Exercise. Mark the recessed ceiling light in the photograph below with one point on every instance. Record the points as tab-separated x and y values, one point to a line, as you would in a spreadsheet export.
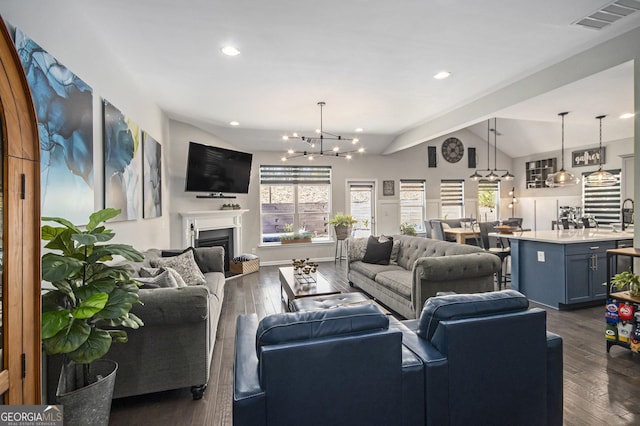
234	123
359	130
627	115
230	51
441	75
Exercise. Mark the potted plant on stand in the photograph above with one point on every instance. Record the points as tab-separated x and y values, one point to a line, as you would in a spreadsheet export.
627	280
342	224
80	316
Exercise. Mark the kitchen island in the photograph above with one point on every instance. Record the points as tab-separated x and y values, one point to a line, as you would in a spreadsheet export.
563	268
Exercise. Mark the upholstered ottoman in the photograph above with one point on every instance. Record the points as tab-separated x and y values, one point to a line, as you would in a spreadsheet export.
306	304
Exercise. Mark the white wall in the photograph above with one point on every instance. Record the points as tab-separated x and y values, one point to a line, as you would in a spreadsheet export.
109	79
409	164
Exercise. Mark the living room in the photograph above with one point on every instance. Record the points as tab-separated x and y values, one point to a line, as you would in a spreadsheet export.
402	159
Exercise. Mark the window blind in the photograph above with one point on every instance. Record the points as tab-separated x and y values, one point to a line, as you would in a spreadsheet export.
452	192
487	185
295	174
412	184
603	203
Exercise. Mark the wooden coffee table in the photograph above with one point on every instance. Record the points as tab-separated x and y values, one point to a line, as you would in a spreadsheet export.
290	289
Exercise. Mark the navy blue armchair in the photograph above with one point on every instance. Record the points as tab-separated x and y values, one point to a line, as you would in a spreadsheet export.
488	360
340	366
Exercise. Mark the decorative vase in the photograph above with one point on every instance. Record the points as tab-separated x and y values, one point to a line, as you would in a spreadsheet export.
88	405
342	231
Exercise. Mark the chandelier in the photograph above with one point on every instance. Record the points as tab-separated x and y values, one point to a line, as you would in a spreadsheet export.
492	176
563	177
316	144
600	177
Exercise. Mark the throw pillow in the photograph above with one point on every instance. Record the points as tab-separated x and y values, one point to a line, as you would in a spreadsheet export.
393	258
356	248
176	276
186	266
378	252
162	280
199	261
148	272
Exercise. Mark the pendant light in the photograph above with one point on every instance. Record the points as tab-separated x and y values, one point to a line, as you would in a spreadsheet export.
507	175
562	178
601	177
477	176
492	176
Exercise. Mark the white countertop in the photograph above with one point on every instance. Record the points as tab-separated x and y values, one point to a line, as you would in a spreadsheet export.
569	236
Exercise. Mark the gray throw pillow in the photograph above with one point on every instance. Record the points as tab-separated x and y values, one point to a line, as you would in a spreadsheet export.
163	280
356	248
186	266
148	272
176	276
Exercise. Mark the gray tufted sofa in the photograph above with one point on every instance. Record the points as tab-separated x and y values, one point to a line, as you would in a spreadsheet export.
424	267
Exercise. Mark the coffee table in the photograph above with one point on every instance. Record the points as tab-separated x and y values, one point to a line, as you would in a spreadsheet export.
290	289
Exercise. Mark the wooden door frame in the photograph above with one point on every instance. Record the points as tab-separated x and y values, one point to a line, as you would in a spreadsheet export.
21	192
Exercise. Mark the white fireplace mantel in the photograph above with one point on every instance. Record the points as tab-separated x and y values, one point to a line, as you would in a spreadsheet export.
197	221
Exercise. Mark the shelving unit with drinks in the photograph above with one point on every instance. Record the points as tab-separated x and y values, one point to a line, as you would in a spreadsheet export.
622	313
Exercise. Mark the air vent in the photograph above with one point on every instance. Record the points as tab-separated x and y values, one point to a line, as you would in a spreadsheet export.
609	14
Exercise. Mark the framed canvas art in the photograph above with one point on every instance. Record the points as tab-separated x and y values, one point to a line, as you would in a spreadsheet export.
151	177
388	187
64	108
122	174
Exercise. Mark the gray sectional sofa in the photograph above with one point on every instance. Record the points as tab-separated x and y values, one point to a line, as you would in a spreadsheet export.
422	268
174	348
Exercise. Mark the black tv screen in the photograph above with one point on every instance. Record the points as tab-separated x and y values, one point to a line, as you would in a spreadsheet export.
216	170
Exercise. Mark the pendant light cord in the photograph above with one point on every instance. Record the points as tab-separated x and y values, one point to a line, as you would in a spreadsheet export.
600	117
562	114
495	143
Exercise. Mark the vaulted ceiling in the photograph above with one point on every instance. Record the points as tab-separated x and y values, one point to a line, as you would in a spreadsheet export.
371	61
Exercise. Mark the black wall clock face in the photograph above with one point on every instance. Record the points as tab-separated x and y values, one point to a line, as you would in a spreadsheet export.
452	150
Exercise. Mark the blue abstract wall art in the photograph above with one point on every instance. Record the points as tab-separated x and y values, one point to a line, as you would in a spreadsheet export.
152	177
122	174
64	108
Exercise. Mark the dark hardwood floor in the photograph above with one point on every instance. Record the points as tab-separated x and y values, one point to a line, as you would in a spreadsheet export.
599	388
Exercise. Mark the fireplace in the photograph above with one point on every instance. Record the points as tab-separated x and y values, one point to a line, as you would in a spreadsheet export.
217	238
214	228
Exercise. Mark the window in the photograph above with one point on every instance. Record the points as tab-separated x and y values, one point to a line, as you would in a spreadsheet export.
451	198
602	203
294	199
488	200
412	202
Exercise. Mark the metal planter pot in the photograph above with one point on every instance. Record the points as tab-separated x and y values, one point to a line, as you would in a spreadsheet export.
89	405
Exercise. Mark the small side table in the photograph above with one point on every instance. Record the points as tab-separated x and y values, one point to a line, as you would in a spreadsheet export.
341	249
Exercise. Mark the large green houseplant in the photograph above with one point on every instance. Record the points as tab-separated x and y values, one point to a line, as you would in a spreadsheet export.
91	301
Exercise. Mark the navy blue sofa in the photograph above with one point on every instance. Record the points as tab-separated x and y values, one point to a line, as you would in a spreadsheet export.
469	359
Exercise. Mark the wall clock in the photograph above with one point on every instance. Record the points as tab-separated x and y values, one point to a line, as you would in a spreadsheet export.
452	150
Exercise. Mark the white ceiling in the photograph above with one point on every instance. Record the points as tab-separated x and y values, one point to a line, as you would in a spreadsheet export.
371	61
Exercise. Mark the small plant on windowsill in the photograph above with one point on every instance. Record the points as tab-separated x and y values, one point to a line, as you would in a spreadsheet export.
408	229
296	237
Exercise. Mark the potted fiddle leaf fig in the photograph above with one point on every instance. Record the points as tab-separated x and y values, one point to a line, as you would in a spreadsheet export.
86	311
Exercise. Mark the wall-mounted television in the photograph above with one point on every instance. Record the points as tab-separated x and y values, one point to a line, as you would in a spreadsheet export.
217	170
